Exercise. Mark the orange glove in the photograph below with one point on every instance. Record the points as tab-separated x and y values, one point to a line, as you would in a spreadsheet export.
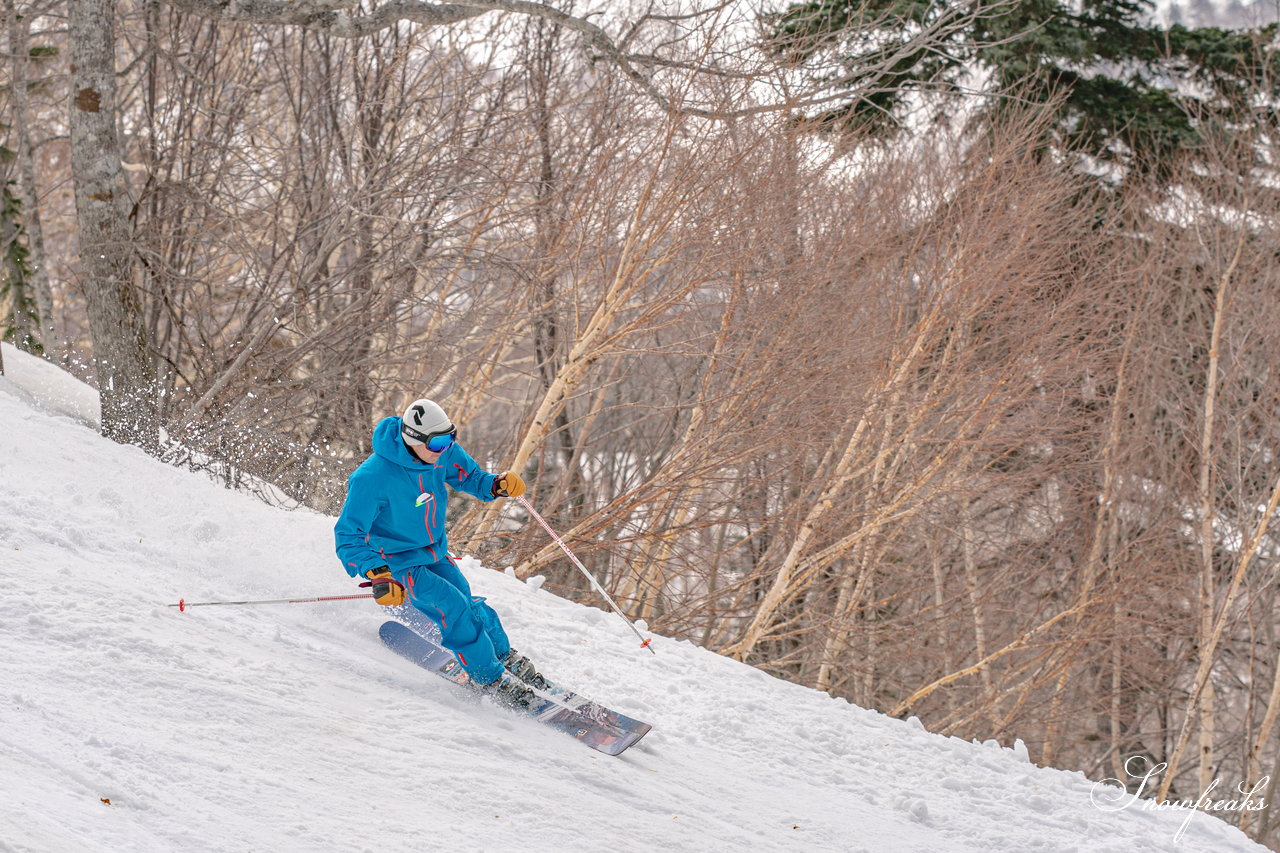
386	590
508	485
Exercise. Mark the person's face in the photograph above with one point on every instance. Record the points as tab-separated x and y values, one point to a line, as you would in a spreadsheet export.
433	444
420	450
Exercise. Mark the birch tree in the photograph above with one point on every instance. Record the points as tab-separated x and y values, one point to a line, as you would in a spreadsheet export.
123	358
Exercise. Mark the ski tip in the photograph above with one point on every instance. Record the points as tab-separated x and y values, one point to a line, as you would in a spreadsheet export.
392	631
633	737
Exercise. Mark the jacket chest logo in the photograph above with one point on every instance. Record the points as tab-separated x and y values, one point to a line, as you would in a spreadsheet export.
424	498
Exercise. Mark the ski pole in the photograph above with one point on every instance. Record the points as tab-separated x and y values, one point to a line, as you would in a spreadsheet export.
644	643
183	604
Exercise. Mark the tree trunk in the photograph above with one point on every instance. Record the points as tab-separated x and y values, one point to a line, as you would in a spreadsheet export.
1211	628
126	374
24	163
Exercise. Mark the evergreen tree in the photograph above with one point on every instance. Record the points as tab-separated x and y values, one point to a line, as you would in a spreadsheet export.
15	271
1124	82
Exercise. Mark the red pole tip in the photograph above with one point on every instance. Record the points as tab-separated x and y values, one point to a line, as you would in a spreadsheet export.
182	605
646	643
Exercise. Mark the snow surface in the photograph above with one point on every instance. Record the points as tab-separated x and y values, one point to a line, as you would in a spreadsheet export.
290	727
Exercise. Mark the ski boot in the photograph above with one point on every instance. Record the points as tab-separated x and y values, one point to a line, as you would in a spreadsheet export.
508	691
521	667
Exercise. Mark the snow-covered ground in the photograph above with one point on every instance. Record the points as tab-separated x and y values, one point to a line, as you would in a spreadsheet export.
128	726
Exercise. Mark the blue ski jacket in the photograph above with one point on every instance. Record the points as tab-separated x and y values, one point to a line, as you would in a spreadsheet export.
394	514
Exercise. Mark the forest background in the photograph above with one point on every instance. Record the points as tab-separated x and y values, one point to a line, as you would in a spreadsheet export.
921	353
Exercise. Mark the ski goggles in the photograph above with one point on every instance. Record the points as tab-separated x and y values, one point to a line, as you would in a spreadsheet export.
436	442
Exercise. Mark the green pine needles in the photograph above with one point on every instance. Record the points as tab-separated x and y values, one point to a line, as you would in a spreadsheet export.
1127	90
15	274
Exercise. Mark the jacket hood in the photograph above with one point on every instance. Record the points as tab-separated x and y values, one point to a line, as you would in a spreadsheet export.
388	444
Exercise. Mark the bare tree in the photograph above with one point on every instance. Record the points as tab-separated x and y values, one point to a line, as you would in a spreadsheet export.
122	354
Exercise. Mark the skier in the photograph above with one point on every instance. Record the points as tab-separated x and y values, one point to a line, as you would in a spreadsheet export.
392	532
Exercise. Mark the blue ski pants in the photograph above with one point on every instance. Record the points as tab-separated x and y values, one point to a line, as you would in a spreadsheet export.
468	626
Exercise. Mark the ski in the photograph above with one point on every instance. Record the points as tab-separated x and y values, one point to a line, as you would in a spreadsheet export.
600	728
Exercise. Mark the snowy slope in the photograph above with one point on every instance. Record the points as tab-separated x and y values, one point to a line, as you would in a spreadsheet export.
291	728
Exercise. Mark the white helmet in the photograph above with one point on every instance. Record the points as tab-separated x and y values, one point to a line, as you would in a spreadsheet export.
422	420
